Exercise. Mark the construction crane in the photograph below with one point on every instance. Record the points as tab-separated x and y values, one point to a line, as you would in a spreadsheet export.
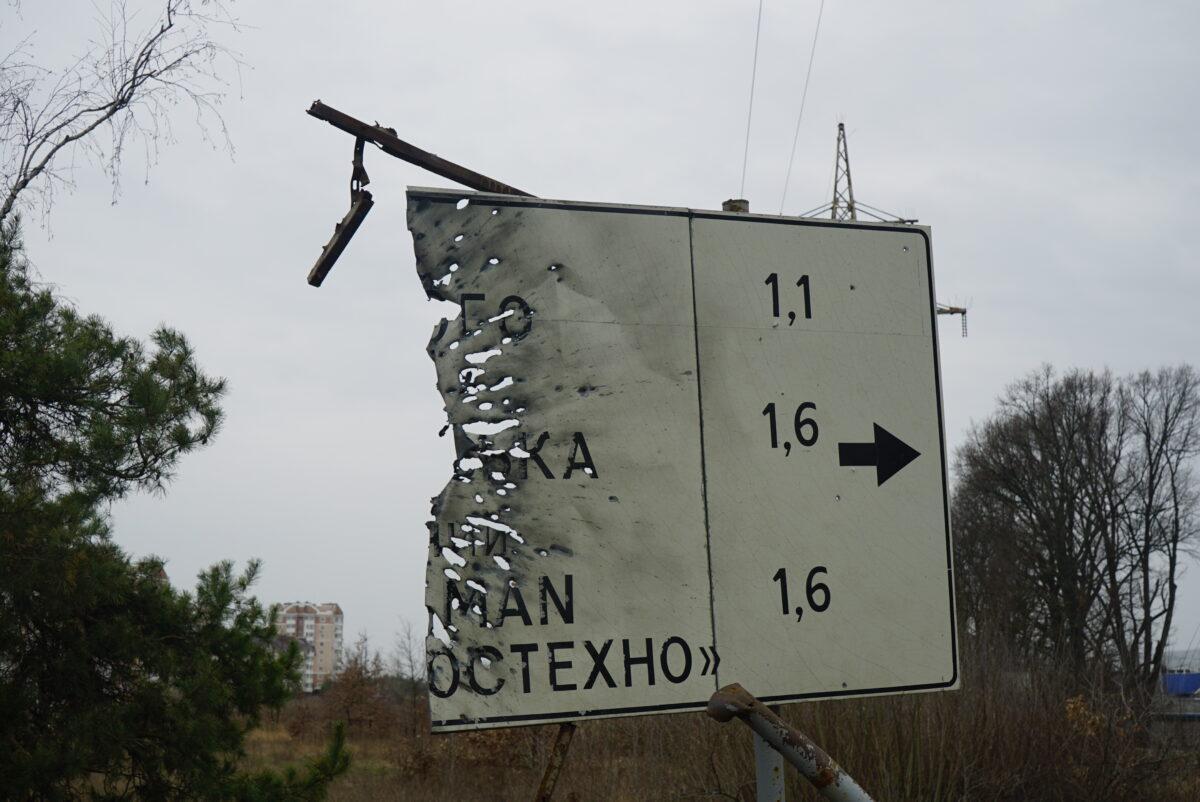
947	309
844	207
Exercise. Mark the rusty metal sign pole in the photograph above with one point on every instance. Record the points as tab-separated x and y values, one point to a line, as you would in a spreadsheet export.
769	733
558	756
769	780
830	780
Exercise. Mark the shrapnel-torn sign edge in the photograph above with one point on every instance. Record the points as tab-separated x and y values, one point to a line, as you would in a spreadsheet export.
492	201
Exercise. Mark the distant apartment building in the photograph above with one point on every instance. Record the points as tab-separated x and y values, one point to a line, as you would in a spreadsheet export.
307	653
318	629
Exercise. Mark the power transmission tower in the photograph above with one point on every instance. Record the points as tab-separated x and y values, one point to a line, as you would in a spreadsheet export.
842	207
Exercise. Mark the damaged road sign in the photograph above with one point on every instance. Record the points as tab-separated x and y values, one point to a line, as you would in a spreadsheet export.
662	479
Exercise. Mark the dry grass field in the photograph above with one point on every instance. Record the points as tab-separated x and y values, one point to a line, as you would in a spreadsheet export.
1008	735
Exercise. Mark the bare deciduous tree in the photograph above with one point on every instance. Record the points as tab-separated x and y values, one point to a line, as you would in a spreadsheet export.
121	91
355	695
408	654
408	664
1160	514
1027	467
1073	505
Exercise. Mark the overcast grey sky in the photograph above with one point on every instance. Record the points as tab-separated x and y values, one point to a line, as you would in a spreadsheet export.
1050	145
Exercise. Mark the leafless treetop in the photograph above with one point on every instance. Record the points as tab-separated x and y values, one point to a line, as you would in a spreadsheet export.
123	90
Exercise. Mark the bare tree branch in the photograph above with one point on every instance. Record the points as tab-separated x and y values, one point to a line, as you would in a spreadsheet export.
126	85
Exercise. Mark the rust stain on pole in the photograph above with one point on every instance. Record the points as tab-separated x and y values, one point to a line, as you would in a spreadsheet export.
734	701
558	756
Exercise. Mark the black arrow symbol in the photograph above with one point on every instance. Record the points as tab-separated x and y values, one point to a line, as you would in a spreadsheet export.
888	454
714	661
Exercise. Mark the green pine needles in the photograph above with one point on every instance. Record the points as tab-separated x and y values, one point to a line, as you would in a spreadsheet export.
113	684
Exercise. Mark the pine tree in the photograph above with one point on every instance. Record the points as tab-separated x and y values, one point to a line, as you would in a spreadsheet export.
112	683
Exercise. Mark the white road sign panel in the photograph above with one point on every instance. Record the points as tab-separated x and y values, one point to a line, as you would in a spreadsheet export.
692	448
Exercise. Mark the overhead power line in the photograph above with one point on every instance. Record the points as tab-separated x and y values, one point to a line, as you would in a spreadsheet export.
750	110
803	97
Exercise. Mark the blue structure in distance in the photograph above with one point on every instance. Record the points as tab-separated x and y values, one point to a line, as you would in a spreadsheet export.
1181	683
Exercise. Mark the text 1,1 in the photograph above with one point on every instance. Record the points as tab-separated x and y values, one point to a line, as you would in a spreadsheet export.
773	282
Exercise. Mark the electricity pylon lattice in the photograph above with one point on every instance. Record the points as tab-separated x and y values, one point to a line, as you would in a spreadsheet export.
842	207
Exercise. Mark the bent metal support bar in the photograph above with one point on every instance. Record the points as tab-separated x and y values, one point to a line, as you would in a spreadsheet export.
360	200
830	780
389	143
360	204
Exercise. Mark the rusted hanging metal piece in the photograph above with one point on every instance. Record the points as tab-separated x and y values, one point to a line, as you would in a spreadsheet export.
360	204
360	200
358	177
